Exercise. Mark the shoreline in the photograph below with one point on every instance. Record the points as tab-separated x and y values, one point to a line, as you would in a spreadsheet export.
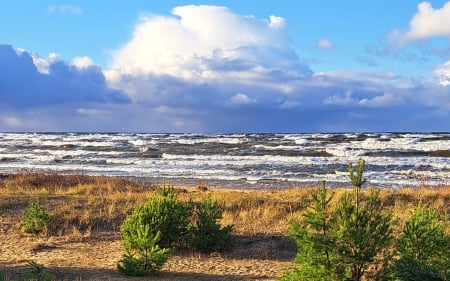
217	184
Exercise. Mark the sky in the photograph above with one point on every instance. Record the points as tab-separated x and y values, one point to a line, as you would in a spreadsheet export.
288	66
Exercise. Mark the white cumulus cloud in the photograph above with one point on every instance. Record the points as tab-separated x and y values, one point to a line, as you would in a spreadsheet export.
442	73
201	42
82	62
43	63
203	55
426	23
429	22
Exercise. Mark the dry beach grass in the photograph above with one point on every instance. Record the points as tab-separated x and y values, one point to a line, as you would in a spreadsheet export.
83	241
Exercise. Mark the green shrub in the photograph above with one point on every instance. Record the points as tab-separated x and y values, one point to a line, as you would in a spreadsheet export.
161	222
314	241
162	213
36	219
342	244
423	247
206	234
363	235
143	255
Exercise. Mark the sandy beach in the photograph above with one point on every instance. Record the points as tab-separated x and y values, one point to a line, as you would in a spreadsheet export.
95	258
84	242
91	252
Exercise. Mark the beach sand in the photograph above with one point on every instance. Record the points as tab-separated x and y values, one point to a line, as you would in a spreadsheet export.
93	255
96	257
260	248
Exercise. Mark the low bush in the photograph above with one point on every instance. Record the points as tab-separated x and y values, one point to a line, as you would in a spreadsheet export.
162	213
143	255
151	230
161	222
36	219
423	247
206	234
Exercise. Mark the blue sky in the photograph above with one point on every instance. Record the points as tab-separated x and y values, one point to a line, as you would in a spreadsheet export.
224	66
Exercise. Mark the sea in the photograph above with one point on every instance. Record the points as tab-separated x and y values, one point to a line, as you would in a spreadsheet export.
240	161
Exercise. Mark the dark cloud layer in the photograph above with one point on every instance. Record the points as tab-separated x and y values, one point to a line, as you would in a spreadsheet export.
22	85
317	103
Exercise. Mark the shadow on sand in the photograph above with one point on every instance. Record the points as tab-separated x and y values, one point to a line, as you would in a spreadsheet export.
262	247
92	274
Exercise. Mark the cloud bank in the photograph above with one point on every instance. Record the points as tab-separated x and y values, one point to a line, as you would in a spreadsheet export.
208	69
31	83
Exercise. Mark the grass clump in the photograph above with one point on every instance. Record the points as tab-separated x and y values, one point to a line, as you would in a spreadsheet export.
33	271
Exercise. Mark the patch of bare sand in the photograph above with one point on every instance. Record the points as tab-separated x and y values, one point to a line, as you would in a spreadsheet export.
95	258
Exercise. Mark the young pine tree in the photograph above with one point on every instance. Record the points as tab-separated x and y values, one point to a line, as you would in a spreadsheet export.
424	248
36	219
162	213
206	234
143	256
315	256
362	229
343	243
161	222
